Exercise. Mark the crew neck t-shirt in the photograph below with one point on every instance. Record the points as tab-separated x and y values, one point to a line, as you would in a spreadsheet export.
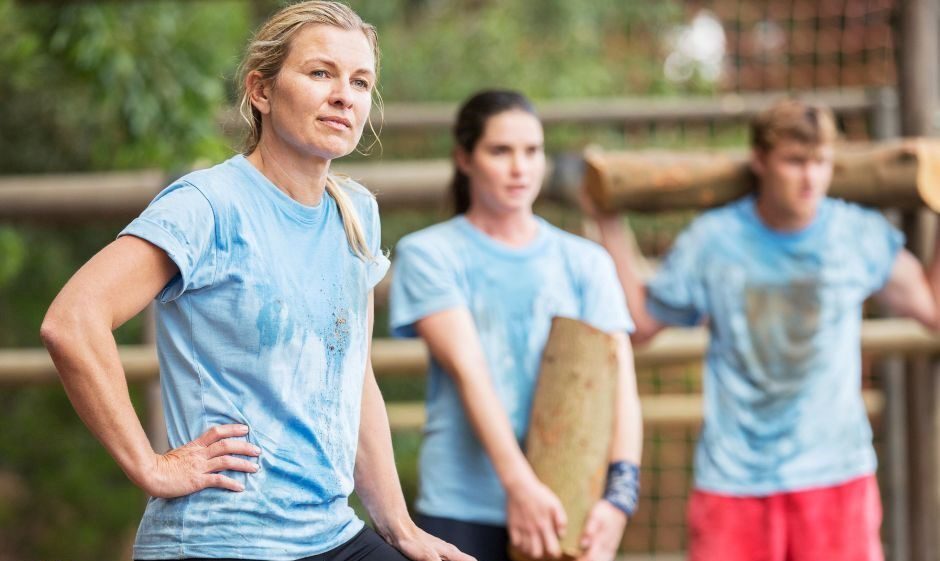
265	325
512	293
782	380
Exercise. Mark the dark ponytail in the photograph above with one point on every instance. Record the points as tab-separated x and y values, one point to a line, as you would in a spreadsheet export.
470	125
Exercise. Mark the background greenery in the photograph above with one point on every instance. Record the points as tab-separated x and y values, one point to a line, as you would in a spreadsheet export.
126	85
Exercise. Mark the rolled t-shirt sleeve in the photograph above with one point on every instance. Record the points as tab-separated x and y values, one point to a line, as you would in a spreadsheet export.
424	282
378	267
676	294
181	222
603	302
880	242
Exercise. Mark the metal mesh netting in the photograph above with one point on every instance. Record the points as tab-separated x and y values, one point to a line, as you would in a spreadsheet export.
807	44
769	45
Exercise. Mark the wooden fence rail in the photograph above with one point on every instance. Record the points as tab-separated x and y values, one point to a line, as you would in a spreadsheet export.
409	358
80	197
411	184
627	111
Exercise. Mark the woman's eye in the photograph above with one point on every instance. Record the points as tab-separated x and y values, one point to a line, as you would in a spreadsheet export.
361	84
319	74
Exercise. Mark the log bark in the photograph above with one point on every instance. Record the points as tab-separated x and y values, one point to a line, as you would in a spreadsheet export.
571	428
899	174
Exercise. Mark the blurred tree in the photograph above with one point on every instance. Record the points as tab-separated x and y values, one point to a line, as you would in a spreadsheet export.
549	49
115	85
86	86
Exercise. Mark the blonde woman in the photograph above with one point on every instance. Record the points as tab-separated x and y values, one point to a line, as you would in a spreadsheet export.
262	268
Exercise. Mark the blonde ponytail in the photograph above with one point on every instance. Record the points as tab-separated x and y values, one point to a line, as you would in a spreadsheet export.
351	223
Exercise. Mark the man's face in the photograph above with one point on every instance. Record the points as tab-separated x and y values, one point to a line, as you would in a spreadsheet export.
794	178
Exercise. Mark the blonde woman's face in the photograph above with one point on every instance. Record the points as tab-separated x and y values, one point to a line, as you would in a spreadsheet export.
507	165
320	100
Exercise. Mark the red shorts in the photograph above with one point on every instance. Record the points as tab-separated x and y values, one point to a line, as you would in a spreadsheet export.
838	523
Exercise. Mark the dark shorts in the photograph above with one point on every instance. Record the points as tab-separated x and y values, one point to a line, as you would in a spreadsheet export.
483	541
365	546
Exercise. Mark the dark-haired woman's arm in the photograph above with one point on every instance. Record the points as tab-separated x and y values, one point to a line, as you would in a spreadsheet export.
535	516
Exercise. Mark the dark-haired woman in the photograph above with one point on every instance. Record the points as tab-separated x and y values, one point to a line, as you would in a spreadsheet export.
481	290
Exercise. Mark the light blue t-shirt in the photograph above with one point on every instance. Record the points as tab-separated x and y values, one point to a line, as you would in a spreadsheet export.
265	325
782	385
512	294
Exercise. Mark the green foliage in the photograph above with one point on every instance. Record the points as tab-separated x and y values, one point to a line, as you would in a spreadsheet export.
140	84
115	85
549	49
13	250
72	501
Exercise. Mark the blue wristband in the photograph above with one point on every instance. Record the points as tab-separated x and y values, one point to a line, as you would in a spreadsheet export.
623	486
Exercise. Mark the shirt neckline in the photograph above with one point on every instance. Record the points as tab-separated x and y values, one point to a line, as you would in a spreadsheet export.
297	210
749	207
501	249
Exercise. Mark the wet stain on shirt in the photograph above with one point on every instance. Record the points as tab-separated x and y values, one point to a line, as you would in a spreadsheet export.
784	322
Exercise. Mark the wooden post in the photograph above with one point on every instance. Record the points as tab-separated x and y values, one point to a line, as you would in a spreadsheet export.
884	113
895	490
918	75
918	71
921	408
572	420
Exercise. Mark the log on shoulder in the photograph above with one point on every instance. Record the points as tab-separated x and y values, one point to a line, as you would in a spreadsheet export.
900	174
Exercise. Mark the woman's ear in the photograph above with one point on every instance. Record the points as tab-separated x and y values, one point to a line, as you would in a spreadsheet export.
258	91
463	160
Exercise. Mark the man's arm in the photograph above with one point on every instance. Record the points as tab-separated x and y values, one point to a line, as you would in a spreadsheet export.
912	290
620	244
377	481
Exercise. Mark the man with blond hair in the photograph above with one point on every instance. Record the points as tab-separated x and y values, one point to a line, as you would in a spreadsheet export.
784	468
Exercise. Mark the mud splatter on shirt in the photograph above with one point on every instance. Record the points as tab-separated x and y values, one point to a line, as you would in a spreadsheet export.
265	325
512	295
783	405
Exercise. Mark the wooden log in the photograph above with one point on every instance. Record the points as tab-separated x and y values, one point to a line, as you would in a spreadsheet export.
572	421
658	410
620	111
82	197
900	173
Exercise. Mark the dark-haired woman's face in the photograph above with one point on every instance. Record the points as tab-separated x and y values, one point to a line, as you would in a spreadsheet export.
507	166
